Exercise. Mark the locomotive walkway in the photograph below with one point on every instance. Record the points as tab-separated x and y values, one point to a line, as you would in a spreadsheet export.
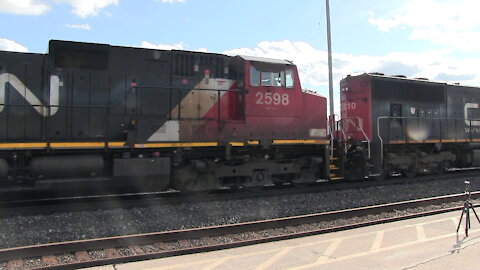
423	243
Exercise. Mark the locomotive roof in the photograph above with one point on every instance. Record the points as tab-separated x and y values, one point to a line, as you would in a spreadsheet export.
266	60
402	77
53	44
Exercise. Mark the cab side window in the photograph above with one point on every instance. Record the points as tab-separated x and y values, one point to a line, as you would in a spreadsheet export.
289	78
254	76
278	79
266	78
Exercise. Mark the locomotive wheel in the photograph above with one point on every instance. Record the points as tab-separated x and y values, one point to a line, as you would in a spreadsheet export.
303	184
257	181
410	172
386	172
381	176
253	189
188	180
192	185
149	184
442	167
438	169
305	179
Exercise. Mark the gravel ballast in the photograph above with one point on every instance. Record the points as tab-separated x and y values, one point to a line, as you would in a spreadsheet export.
39	229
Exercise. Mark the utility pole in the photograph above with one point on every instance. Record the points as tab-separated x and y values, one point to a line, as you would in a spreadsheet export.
330	79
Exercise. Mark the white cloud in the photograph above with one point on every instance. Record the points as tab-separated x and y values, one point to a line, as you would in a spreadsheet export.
148	45
454	24
10	45
312	63
86	8
178	46
84	26
24	7
313	68
81	8
170	1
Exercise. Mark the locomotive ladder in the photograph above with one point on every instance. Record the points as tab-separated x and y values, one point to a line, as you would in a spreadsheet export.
336	151
336	166
340	146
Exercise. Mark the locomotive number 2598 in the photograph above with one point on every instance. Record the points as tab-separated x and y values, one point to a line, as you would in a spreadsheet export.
272	98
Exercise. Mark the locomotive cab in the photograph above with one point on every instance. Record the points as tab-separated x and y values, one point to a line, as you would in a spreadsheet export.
276	107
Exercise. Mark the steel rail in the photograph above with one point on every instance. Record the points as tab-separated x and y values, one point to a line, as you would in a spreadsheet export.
19	253
128	200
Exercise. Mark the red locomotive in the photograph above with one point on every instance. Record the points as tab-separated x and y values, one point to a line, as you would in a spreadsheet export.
189	120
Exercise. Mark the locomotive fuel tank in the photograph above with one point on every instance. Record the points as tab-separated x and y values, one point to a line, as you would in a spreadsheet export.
74	166
3	168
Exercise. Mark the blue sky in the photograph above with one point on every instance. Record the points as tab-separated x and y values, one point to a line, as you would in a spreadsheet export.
214	24
436	39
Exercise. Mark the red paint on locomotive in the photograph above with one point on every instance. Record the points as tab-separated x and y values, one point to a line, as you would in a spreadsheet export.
356	107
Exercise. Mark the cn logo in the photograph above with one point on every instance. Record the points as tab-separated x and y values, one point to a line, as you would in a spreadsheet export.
356	123
27	94
471	122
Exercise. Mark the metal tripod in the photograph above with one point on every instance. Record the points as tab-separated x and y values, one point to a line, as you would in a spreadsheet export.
467	205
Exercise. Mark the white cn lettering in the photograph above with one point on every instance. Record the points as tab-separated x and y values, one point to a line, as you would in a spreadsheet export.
27	94
470	106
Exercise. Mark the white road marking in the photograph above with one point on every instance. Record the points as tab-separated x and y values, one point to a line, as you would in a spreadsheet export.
327	254
273	259
377	242
421	232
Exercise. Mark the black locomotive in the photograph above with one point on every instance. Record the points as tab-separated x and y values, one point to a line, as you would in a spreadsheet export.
408	126
189	120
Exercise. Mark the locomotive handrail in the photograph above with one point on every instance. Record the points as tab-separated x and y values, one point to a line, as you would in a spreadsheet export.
332	124
380	137
360	128
344	135
423	118
366	137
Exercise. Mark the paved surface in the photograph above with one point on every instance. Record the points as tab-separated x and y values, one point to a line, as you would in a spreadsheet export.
419	244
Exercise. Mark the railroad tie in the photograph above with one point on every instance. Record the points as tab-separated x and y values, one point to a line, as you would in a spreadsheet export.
83	256
137	250
50	259
185	243
311	227
15	264
209	240
291	229
162	246
111	253
234	237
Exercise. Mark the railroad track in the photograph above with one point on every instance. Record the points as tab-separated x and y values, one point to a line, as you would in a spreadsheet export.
114	250
21	205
